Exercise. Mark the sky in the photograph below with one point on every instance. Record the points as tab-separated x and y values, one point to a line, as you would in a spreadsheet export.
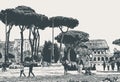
99	18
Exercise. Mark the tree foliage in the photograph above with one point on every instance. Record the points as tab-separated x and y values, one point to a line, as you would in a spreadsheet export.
71	37
72	40
6	16
116	42
60	21
25	17
47	52
23	20
116	56
40	22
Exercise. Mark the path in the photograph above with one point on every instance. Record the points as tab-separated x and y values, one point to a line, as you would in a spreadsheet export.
55	69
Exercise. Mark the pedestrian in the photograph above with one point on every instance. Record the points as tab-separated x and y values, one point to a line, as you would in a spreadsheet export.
22	70
104	65
31	70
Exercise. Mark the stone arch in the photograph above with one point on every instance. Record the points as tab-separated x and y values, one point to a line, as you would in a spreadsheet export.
94	58
106	58
98	58
102	58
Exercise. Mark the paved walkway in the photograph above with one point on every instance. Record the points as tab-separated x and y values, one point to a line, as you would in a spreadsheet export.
48	71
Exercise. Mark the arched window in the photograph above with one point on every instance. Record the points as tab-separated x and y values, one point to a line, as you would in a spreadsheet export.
102	52
94	52
94	58
102	58
106	58
98	58
98	52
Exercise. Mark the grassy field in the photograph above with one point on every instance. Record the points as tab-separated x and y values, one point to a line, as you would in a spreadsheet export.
63	78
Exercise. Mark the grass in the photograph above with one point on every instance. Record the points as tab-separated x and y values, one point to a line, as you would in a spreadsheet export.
63	78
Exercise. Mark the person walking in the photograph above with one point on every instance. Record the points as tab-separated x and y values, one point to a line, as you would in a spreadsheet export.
31	70
22	70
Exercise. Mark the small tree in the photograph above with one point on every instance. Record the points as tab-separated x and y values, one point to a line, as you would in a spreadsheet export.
72	40
46	53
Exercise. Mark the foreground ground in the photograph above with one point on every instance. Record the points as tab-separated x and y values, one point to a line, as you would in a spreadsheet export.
55	73
62	78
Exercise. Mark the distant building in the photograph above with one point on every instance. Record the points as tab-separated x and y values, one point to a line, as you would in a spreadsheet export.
2	50
17	48
26	44
100	51
11	46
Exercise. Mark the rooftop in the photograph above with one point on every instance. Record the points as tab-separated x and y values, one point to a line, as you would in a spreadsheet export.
97	44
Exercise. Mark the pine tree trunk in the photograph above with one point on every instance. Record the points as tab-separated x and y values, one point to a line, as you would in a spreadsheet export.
30	40
35	43
60	57
38	44
7	46
22	39
7	43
